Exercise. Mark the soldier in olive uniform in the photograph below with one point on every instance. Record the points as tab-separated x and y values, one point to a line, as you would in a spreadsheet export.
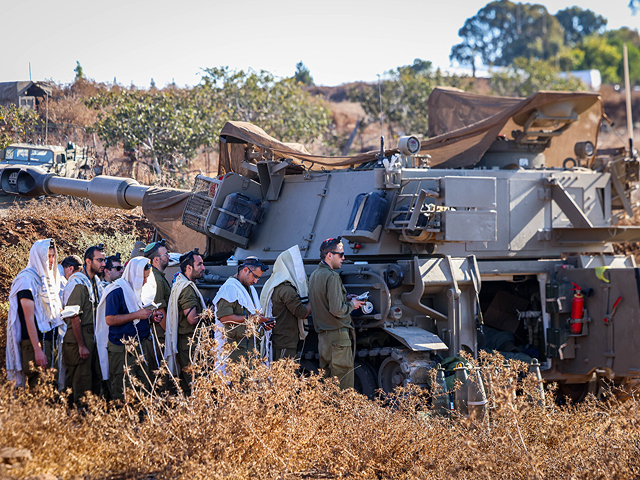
121	312
184	309
79	345
34	315
235	301
287	308
157	253
331	310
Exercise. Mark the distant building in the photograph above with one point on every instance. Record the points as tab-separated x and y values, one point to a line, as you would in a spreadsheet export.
591	78
23	94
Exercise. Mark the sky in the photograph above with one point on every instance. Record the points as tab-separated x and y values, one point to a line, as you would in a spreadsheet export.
340	41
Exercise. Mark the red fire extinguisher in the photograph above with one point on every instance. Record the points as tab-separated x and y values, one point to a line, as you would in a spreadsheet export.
577	310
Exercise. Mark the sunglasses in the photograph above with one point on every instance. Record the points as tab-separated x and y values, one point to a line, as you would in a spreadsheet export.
117	269
338	253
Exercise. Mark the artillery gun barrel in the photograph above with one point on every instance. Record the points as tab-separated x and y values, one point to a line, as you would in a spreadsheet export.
105	191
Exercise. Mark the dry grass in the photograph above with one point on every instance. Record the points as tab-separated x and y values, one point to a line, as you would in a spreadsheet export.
270	423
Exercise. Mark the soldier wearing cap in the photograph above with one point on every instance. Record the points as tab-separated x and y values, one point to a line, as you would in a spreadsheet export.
79	345
68	267
236	300
184	309
331	310
158	255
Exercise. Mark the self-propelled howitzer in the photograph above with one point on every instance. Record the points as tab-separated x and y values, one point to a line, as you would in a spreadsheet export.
478	246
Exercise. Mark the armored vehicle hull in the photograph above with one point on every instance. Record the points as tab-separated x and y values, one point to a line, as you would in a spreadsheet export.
506	246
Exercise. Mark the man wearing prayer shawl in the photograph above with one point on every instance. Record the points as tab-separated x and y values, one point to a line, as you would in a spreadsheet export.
283	297
158	256
183	315
122	318
68	267
34	315
236	300
79	345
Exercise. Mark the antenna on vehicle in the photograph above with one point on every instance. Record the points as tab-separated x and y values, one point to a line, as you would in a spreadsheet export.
381	127
627	88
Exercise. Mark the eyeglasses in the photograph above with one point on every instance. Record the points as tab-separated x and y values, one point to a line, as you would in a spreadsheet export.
152	247
338	253
254	275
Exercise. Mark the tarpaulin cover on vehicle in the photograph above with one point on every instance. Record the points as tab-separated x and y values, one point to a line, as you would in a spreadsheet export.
463	126
163	207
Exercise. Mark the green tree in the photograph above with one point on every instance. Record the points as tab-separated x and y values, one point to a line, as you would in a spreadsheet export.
281	107
502	31
527	76
163	126
623	35
601	55
404	98
167	127
579	23
303	75
17	124
569	59
79	71
617	38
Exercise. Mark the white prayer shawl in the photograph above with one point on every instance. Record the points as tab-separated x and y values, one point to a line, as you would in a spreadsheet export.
288	268
44	284
233	291
171	334
63	282
80	278
131	284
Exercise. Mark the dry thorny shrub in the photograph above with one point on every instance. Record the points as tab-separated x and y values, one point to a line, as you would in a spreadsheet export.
268	422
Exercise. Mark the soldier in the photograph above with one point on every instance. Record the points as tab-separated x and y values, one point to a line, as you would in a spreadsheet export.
183	314
331	310
34	314
121	317
68	267
158	255
283	297
235	301
113	268
79	346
